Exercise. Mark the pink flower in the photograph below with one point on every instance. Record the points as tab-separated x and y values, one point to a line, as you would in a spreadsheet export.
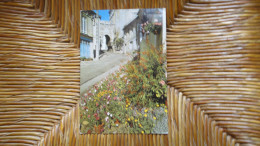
115	98
162	82
88	116
96	104
97	118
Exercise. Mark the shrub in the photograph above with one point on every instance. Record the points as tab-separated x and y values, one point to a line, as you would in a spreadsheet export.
126	100
118	42
82	58
150	27
102	107
146	77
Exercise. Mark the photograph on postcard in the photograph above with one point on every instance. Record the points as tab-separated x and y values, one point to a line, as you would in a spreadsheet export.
123	71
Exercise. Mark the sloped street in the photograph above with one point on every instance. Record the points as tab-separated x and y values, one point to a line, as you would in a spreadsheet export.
92	72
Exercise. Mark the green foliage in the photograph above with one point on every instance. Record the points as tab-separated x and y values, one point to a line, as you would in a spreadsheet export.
85	59
118	42
127	100
82	58
147	77
101	106
150	27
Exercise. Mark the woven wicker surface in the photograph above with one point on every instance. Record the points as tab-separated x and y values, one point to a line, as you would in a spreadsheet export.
213	70
213	64
39	77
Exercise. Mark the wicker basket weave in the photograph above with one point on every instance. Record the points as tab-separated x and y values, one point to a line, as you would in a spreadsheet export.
213	70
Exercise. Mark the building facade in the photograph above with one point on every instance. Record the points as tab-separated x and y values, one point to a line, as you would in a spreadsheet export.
88	32
98	36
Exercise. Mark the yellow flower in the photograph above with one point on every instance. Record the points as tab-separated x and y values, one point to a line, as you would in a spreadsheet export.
157	105
146	110
126	105
145	115
126	108
136	120
128	119
154	118
166	110
132	118
142	132
140	125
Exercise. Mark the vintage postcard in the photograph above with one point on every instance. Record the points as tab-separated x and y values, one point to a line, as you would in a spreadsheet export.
123	71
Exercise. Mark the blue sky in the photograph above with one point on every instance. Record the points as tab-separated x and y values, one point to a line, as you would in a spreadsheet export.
104	14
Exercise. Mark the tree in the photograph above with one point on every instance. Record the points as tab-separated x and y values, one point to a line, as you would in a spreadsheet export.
118	42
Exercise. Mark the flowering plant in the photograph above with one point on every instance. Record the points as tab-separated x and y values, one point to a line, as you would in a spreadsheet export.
127	101
146	77
151	27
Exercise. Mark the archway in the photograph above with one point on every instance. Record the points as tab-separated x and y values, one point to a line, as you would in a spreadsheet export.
107	39
106	43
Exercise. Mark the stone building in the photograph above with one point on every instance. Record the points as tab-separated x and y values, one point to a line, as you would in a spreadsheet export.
154	17
106	35
88	31
98	36
121	19
132	30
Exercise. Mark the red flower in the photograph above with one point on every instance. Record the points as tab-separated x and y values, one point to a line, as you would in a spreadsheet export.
96	104
97	118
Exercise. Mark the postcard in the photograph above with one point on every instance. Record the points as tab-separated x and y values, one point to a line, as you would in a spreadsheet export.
123	72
